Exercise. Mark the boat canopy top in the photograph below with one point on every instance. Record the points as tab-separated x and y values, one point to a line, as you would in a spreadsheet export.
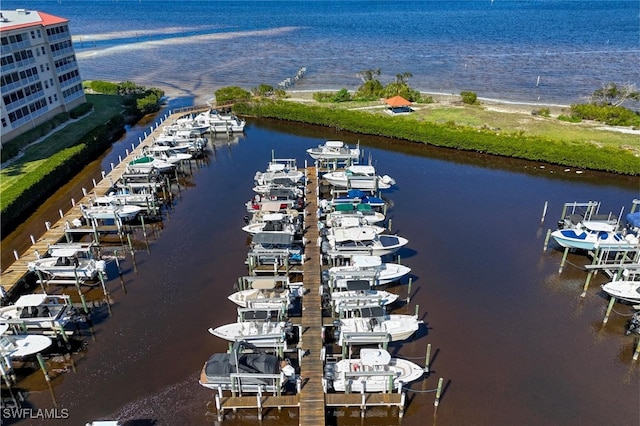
273	238
598	226
371	312
263	283
357	285
361	170
353	234
273	217
31	299
366	261
142	160
369	356
334	144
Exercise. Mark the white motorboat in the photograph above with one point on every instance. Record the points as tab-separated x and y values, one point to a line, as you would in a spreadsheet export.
362	210
352	221
588	234
194	141
265	292
264	204
628	290
171	142
221	123
384	273
276	200
375	320
334	150
359	177
246	368
73	260
168	154
282	186
111	211
148	162
274	222
358	294
361	240
374	371
39	312
21	345
122	196
188	123
356	196
278	170
259	333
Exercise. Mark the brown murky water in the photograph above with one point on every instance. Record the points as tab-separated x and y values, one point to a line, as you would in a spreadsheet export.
512	339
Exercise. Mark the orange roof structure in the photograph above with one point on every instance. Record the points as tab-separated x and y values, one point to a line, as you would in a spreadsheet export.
397	101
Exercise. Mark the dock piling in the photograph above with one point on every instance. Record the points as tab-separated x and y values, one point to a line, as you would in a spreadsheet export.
612	301
438	393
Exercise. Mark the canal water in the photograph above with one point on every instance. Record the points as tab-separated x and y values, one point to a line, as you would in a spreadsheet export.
511	337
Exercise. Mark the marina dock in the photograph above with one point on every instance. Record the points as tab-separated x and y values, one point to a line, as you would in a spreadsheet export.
13	278
311	399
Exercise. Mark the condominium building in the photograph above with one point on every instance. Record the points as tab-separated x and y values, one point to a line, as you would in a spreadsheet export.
39	74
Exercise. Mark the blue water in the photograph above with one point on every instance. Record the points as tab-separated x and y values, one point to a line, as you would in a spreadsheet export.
548	51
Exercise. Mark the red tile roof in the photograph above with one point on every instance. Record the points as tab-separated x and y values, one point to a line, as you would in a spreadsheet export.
44	20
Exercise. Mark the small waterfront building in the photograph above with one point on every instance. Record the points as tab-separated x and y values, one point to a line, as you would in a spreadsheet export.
39	72
398	105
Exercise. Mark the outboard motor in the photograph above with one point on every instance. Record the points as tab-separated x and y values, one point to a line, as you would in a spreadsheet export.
288	330
336	330
633	326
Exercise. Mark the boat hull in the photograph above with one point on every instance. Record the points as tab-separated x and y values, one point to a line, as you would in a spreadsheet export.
260	334
356	377
624	290
399	327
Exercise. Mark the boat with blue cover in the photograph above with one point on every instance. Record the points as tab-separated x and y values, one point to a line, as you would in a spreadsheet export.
591	233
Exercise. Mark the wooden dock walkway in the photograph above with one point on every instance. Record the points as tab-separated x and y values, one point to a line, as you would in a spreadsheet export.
312	396
13	278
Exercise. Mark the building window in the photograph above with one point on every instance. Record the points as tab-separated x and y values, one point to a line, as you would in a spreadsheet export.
4	122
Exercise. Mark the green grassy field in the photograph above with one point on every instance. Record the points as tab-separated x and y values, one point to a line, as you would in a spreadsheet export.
504	118
41	157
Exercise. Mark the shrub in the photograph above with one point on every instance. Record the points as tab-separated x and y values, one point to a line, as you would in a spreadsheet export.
426	99
148	104
323	96
569	118
608	114
263	90
469	98
230	94
370	90
517	145
106	87
341	95
543	112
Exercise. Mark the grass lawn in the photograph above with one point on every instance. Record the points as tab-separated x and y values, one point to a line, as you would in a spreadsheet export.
504	118
18	175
